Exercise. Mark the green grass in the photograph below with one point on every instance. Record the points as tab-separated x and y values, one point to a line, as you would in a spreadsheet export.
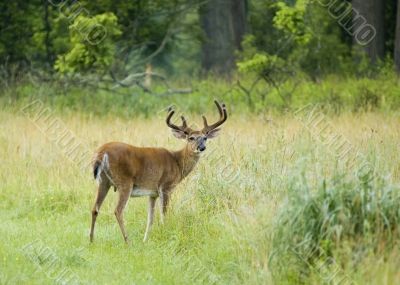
217	231
336	94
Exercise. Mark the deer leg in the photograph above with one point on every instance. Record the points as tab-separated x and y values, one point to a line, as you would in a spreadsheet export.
124	193
150	217
101	195
164	200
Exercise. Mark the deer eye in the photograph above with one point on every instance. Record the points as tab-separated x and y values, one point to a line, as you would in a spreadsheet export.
191	138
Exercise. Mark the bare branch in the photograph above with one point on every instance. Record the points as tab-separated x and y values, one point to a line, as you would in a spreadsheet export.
158	50
134	79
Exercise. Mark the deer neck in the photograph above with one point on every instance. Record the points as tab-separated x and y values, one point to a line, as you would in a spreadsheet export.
187	160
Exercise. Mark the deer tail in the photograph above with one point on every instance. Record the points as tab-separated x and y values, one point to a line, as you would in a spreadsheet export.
99	166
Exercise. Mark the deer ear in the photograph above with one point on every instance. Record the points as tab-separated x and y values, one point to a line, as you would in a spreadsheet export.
213	133
179	134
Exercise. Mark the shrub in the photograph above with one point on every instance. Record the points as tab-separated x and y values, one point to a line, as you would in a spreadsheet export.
92	44
314	223
334	94
366	100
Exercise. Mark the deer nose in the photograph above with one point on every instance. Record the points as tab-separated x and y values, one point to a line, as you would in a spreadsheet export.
202	148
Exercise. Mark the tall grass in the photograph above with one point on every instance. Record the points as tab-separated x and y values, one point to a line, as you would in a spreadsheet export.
362	212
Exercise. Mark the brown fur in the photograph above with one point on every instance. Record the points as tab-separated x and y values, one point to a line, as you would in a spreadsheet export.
145	167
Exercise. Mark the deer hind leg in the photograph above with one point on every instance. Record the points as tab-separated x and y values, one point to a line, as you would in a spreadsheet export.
124	194
102	191
150	217
164	201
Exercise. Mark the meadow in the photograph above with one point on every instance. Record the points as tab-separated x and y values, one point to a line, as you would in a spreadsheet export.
302	186
221	229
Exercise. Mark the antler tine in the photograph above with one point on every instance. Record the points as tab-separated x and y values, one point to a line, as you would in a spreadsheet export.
219	107
172	126
205	121
222	117
184	123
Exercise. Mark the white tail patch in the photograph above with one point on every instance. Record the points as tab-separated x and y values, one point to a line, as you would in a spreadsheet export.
103	167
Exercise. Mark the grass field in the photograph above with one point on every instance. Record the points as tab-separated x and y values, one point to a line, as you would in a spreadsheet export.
221	228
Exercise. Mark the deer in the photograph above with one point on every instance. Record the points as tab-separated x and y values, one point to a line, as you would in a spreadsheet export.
149	171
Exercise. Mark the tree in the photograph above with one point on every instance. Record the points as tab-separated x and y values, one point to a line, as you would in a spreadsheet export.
223	23
47	30
92	44
17	23
397	40
368	27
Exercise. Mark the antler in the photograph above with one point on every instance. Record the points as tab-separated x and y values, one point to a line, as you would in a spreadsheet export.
183	128
223	115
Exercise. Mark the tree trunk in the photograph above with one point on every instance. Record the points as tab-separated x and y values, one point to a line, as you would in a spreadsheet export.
239	17
368	27
397	40
47	29
224	24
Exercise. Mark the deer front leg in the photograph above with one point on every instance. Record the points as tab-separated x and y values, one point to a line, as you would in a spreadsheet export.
150	217
124	194
164	200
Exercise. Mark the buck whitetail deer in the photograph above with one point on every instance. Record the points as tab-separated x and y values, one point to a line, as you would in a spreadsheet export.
147	171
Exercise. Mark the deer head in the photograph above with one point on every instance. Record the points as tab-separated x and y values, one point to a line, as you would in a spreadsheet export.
196	140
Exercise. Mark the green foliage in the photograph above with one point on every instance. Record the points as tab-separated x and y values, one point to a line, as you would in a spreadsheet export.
366	100
304	35
92	44
290	19
19	20
313	223
259	63
334	94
